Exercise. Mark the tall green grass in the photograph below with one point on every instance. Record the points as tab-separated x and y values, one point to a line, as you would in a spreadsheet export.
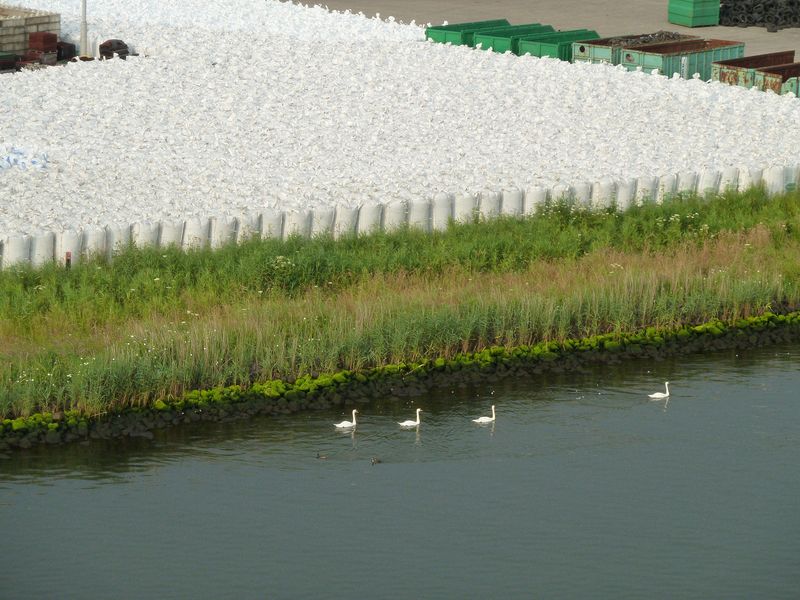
144	283
401	317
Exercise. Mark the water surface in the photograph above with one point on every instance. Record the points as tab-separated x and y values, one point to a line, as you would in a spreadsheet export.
583	488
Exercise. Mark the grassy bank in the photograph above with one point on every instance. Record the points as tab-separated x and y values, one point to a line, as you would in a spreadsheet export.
153	324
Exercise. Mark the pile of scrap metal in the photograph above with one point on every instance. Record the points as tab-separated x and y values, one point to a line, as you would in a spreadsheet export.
772	14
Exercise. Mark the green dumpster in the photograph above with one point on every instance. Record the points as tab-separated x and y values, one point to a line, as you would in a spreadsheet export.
742	71
693	13
505	39
684	57
780	79
608	50
556	45
460	34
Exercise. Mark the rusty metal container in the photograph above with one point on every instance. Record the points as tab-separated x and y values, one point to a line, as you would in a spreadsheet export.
43	41
780	79
742	71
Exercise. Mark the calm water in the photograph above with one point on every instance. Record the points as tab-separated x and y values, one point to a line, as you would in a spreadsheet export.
583	488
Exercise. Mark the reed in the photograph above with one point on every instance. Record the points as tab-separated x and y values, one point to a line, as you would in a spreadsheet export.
390	317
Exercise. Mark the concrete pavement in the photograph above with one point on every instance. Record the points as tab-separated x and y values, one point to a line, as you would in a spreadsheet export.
606	17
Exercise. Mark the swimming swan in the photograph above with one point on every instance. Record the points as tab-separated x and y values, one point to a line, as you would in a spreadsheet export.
346	424
660	395
411	423
486	419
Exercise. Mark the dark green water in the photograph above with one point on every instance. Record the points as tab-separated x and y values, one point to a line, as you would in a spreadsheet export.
584	488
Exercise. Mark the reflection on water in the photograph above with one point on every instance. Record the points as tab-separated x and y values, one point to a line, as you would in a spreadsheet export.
583	487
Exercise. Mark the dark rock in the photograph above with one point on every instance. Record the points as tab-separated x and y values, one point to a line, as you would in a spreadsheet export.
52	437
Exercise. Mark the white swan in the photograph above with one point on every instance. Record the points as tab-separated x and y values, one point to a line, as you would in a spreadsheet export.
660	395
486	419
411	423
347	424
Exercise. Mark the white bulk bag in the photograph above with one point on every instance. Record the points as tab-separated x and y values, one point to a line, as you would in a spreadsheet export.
322	221
171	234
68	247
395	215
195	233
43	248
513	202
345	222
94	242
271	224
489	204
465	206
145	235
419	214
442	210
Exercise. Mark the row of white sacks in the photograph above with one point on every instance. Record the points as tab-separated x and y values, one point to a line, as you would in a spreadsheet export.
429	215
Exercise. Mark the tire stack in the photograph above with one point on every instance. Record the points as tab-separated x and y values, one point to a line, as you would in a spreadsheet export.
772	14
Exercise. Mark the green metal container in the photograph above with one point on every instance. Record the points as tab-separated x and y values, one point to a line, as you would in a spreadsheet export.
683	57
556	45
693	13
693	21
506	39
742	71
608	50
694	8
780	79
461	34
